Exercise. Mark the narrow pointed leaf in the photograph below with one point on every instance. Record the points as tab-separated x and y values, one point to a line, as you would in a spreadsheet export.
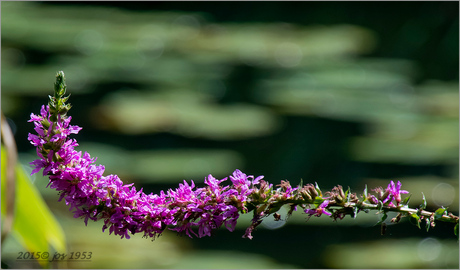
380	206
318	189
423	205
456	230
428	224
415	219
318	201
355	211
440	212
384	217
405	202
365	194
347	194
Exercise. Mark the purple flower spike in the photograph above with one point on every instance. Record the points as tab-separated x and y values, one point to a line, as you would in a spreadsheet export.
125	211
196	212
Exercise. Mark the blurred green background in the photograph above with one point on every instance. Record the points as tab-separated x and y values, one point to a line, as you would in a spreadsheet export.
345	93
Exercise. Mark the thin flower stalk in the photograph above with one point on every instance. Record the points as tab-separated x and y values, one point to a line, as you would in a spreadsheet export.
190	210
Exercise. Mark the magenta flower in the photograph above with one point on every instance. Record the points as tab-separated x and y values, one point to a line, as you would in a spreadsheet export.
318	211
394	193
244	183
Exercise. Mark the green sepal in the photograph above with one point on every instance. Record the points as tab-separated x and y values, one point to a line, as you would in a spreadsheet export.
423	205
46	124
51	99
269	191
415	219
318	189
428	224
347	194
64	99
405	202
299	188
300	184
440	212
365	193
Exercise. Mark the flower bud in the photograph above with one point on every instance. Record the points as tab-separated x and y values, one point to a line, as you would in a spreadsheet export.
385	195
312	191
46	124
398	198
305	195
372	199
341	193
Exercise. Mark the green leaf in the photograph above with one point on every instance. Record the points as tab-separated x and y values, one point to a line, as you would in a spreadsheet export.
384	217
34	226
456	230
440	212
275	208
318	201
380	206
250	207
428	224
423	205
262	208
405	202
355	211
415	219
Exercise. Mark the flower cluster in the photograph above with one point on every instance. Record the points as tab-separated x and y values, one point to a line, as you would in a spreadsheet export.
94	196
126	211
388	196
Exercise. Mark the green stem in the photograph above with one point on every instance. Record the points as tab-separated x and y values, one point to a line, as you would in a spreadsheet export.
447	218
364	206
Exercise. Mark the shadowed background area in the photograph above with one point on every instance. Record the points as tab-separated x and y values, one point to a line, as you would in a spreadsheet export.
342	93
